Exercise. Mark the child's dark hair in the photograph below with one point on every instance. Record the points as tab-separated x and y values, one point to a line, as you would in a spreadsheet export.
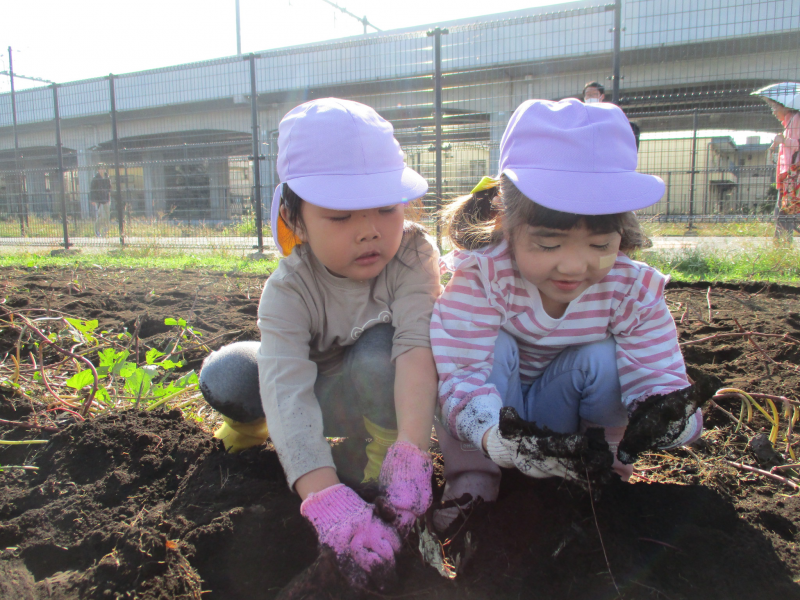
487	217
600	88
294	210
294	205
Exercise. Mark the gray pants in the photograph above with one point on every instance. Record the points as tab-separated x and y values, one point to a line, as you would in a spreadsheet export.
102	220
362	387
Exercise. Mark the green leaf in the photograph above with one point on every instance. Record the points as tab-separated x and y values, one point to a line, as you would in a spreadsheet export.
110	357
168	365
81	379
182	322
138	384
82	326
103	396
189	379
159	391
170	321
173	347
124	369
152	355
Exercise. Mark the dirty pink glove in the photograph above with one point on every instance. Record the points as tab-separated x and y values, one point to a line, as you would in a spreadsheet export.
405	482
364	545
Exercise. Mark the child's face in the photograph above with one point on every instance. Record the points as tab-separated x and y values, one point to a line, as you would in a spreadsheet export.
356	244
563	264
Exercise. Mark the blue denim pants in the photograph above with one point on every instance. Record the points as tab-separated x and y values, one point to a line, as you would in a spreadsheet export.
578	389
362	387
582	383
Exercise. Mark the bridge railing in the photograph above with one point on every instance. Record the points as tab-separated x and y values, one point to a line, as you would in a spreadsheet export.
186	155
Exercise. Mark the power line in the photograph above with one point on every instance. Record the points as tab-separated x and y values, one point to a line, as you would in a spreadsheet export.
18	76
363	19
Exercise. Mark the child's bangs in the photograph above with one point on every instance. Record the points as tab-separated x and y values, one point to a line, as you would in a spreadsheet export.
536	215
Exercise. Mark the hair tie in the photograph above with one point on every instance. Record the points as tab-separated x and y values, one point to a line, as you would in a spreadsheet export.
485	184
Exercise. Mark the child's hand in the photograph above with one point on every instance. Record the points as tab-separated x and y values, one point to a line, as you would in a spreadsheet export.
405	482
543	453
662	421
364	545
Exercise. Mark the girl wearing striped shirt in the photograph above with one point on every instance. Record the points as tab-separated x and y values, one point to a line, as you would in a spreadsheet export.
547	315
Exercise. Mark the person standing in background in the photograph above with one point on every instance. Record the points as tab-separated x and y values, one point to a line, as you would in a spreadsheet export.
784	100
100	196
594	92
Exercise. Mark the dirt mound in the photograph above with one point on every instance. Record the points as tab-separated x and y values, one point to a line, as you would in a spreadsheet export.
147	505
144	505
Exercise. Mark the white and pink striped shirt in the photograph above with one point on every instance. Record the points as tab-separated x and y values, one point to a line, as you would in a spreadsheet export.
487	293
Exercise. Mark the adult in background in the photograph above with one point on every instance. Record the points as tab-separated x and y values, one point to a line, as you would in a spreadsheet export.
100	196
784	100
594	92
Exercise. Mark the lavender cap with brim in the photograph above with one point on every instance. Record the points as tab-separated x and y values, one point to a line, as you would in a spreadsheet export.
577	158
342	155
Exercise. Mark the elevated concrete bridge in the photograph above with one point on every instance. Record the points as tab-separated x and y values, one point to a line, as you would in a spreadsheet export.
679	59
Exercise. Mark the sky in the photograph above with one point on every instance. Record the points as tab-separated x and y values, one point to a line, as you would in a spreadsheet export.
70	40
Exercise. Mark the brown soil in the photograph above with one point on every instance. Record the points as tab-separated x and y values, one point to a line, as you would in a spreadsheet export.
146	505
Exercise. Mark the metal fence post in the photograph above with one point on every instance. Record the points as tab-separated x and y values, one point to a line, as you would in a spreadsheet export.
617	32
118	195
60	155
437	107
690	227
257	157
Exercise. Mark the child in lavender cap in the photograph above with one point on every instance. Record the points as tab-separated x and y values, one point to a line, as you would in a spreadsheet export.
547	319
345	347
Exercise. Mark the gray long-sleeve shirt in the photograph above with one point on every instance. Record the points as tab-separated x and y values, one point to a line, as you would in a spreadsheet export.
308	316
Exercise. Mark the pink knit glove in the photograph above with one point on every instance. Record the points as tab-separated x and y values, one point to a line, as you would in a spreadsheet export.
364	545
405	482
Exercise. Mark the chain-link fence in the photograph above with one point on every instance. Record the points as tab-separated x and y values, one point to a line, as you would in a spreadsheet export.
186	155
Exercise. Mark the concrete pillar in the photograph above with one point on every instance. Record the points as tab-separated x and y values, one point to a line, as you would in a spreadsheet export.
218	181
85	174
497	125
153	175
38	201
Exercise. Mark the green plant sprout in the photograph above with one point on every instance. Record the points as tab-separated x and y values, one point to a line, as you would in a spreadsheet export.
108	371
142	383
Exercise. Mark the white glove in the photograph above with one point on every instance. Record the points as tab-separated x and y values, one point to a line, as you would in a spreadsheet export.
663	421
541	453
522	452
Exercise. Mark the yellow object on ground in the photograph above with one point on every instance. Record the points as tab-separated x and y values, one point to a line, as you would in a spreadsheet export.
238	436
376	450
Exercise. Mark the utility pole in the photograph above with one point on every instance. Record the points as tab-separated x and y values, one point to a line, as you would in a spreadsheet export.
238	31
18	180
13	98
23	216
363	20
617	35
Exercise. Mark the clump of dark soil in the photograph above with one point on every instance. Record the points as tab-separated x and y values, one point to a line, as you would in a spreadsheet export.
146	505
